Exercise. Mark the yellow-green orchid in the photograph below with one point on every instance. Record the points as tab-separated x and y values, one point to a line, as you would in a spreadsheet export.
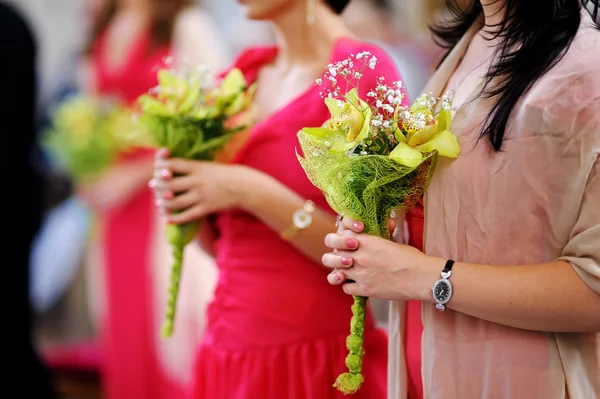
425	135
76	116
175	94
349	124
232	95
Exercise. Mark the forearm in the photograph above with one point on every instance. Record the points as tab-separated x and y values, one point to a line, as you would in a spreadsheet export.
274	204
544	297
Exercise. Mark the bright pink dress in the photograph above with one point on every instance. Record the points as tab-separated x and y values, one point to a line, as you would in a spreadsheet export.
276	329
414	325
130	366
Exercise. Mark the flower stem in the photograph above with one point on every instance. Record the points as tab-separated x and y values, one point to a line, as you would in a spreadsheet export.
176	266
178	236
350	382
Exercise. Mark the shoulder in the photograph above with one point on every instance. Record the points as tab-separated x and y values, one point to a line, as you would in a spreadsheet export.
567	98
379	63
193	16
385	67
252	58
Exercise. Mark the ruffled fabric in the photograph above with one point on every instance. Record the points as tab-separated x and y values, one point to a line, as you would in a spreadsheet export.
305	370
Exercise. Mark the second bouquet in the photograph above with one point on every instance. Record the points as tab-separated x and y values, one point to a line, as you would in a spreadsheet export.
192	117
373	156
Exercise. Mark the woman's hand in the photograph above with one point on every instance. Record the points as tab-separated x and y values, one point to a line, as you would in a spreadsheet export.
377	267
188	190
117	186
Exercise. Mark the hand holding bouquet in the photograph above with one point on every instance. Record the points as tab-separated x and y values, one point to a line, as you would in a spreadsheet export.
373	156
87	134
191	117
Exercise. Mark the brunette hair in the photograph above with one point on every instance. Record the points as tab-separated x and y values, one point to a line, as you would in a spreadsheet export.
535	35
337	5
163	14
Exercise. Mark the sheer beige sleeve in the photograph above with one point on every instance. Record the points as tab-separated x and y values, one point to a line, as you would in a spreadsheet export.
197	41
583	248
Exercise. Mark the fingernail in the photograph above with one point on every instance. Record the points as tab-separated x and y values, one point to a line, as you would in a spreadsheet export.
166	174
152	183
346	261
168	195
338	277
158	202
163	153
358	226
351	244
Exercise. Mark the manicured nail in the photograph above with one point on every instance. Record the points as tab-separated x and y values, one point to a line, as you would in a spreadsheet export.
165	174
351	244
358	226
152	183
168	195
162	153
158	202
346	261
338	277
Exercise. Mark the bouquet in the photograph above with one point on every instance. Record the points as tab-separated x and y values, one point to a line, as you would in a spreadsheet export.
86	135
373	156
192	117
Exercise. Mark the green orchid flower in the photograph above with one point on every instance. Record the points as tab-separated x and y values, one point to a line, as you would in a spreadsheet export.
418	140
233	94
349	123
176	94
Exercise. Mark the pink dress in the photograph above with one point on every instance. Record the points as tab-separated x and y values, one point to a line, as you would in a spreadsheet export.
130	365
276	329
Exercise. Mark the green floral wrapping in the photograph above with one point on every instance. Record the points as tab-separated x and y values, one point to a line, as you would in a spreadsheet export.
366	188
86	135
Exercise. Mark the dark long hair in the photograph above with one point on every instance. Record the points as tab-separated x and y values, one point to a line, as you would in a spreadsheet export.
337	5
163	14
534	34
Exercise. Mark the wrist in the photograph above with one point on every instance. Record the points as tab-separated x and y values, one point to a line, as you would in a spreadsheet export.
246	187
427	272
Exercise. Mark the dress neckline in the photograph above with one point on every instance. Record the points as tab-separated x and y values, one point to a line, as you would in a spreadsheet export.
123	65
271	54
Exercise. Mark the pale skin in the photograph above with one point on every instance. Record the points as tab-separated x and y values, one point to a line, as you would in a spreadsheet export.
206	188
121	182
523	296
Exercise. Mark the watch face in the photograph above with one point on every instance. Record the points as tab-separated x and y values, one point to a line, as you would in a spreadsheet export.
302	219
442	291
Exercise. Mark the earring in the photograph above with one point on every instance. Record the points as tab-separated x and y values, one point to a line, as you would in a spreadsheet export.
310	11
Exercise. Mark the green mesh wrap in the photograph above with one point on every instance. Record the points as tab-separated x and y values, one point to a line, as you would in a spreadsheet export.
84	137
366	188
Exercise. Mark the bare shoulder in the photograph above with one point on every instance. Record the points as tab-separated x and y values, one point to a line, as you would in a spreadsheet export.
193	15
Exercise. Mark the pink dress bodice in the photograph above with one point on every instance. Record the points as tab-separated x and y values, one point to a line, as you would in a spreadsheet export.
134	75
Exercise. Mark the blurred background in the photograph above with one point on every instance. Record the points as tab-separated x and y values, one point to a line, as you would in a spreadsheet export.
64	288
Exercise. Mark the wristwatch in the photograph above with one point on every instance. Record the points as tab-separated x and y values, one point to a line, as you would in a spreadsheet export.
442	288
301	219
